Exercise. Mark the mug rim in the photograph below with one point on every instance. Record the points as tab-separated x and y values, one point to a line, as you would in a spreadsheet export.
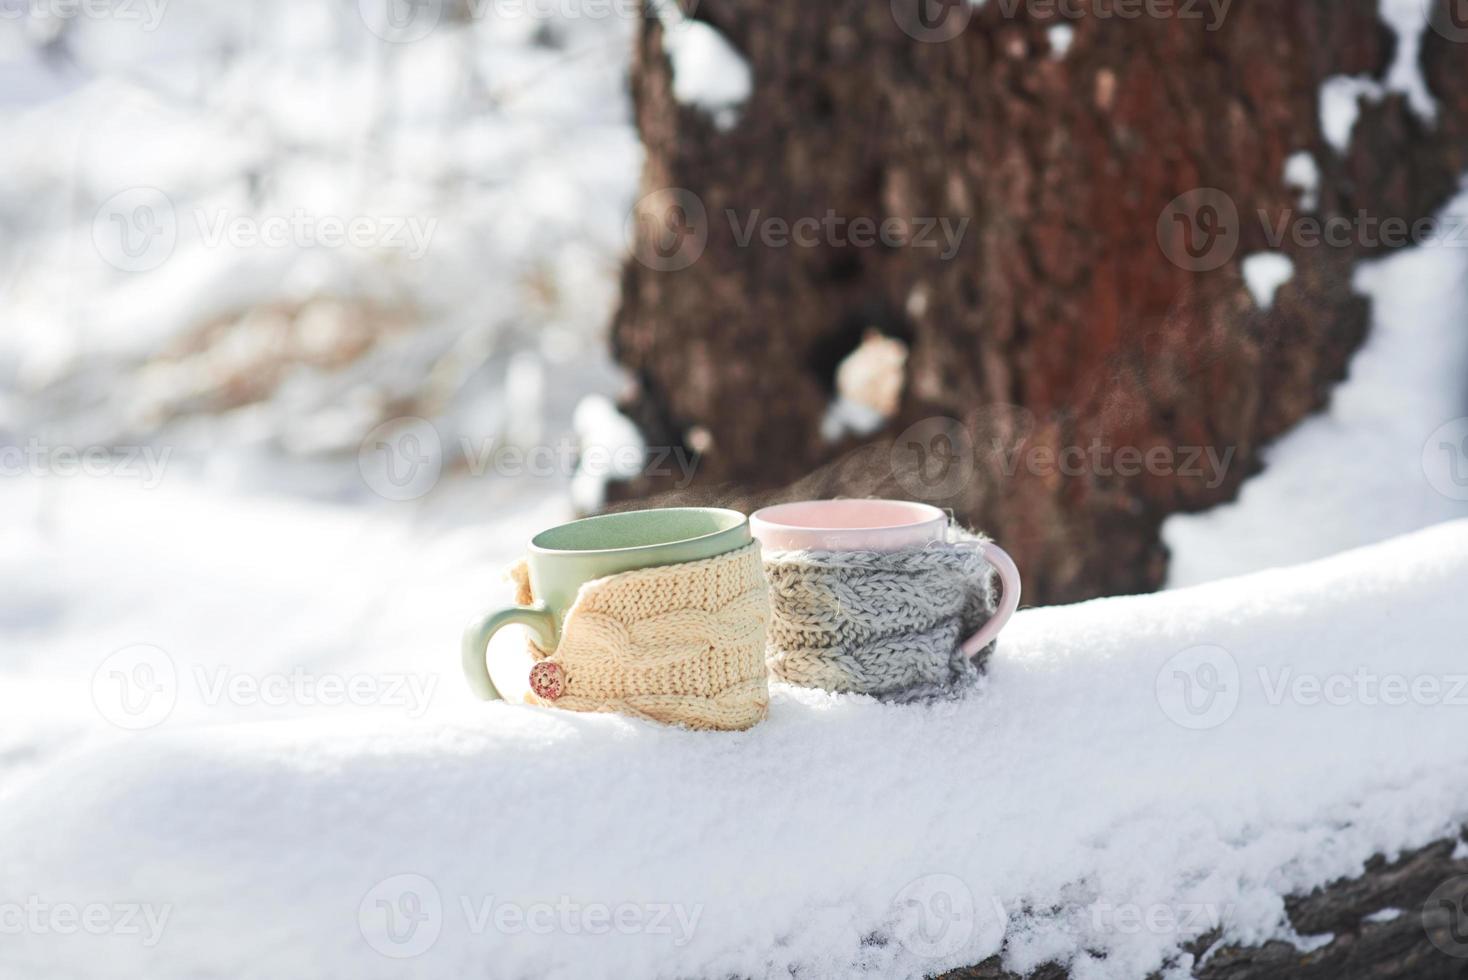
768	515
739	520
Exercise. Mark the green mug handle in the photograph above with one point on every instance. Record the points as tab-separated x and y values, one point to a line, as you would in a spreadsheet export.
476	643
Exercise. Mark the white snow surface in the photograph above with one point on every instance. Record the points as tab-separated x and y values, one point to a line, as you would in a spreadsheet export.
1340	94
1061	37
1340	106
1408	20
1264	273
308	762
708	71
1157	753
1302	172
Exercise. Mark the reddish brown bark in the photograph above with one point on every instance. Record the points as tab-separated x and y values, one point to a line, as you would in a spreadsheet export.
1061	320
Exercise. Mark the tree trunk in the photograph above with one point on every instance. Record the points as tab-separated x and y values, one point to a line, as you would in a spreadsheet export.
1073	361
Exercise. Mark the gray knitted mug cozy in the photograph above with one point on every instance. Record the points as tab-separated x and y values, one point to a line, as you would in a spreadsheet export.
889	624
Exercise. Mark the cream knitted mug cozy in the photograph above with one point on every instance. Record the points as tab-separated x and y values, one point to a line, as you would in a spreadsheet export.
681	644
889	624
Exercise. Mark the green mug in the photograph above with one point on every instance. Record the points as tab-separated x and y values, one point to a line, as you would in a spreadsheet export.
563	558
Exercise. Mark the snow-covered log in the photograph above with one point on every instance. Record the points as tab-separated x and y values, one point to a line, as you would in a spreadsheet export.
1137	781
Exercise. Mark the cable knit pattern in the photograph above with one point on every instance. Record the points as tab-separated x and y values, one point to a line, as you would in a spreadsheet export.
889	624
680	644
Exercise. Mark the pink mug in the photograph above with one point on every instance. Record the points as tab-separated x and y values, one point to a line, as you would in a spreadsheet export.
880	525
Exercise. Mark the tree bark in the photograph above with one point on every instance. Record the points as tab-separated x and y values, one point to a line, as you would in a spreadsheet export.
1066	321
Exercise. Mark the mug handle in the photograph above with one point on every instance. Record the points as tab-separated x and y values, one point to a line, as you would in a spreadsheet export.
476	643
1008	598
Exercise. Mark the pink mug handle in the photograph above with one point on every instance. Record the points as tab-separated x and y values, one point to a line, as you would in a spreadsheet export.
1008	598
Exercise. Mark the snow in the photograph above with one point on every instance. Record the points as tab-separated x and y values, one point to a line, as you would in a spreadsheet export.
1340	95
1408	19
235	737
1340	106
1203	728
1303	174
1373	464
1264	273
487	167
1061	36
618	454
869	383
708	71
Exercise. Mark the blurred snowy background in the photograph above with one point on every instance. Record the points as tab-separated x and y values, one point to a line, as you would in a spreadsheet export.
252	232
